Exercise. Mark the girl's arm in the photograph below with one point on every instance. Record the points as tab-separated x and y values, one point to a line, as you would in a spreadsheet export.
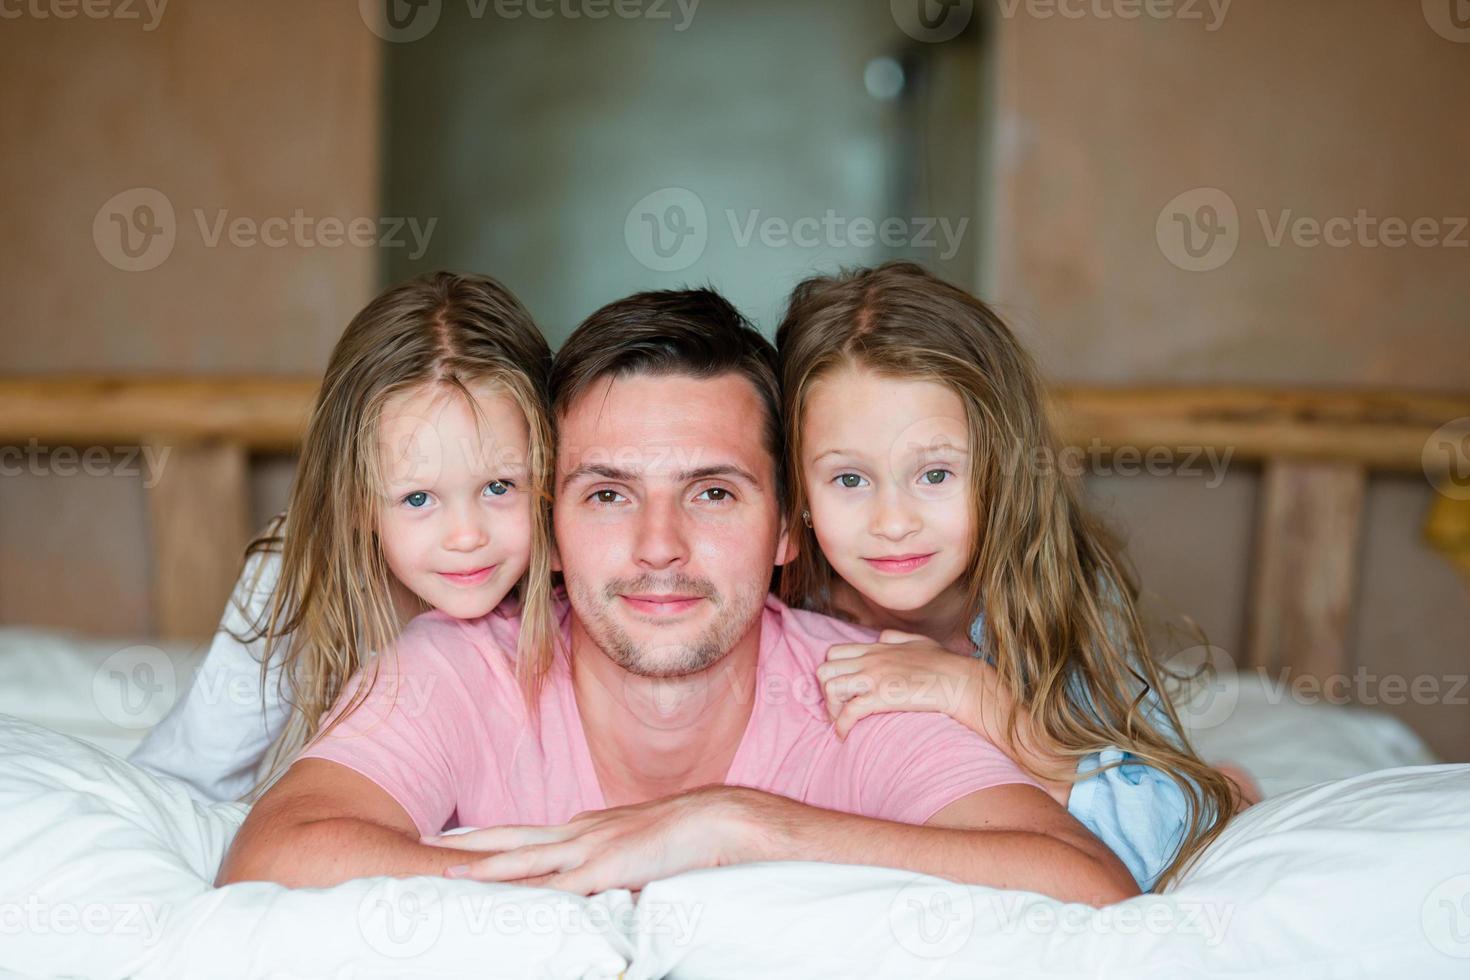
216	735
1137	811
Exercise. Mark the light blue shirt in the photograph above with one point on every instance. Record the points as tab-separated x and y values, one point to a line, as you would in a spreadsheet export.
1139	812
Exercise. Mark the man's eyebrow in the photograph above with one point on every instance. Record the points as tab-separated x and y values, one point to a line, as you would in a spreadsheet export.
605	472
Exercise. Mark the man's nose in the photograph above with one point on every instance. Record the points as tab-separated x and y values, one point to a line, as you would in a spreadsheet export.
660	539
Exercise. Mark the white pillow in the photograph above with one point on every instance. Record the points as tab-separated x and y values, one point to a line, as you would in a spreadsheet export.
1365	877
105	871
107	692
1287	737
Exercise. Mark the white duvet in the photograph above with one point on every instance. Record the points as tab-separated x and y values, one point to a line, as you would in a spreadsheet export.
105	871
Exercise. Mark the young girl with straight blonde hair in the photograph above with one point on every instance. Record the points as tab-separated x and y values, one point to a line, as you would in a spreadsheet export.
423	483
926	491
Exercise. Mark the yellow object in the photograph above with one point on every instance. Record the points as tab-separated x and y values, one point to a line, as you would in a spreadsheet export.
1448	529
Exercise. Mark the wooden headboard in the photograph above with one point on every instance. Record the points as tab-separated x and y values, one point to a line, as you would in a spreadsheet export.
1316	448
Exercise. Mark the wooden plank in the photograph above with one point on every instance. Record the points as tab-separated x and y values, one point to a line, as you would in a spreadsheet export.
1378	429
261	414
199	522
1305	568
1383	430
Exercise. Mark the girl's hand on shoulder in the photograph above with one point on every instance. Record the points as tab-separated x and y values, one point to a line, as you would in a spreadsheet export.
900	672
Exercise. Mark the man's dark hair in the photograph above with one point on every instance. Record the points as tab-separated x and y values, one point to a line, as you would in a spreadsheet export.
693	332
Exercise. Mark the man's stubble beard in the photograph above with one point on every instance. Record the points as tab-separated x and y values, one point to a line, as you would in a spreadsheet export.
732	619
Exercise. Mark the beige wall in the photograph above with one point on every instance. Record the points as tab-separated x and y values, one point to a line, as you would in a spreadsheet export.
1322	107
1314	106
256	109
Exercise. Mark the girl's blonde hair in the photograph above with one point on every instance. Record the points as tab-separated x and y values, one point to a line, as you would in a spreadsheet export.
333	605
1059	606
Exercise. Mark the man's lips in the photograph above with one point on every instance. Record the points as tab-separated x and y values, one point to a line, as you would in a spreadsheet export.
476	577
650	604
900	564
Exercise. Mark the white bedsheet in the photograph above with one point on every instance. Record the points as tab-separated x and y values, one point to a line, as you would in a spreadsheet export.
104	872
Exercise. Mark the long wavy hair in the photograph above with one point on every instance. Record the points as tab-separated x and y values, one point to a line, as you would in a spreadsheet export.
332	606
1060	608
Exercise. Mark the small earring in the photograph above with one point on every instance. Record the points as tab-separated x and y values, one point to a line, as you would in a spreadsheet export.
806	516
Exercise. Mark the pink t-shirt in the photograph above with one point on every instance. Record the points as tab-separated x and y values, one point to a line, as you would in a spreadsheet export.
446	733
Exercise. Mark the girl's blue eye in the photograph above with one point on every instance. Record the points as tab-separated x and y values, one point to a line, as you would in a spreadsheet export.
934	477
851	480
416	499
499	488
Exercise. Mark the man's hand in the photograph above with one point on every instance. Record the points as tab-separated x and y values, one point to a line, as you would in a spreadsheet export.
621	847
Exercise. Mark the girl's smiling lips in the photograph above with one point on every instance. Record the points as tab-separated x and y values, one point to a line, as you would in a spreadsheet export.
900	564
476	577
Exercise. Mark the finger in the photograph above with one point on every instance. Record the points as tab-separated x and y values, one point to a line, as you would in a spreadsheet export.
846	651
836	668
899	636
587	879
523	862
503	838
854	711
848	686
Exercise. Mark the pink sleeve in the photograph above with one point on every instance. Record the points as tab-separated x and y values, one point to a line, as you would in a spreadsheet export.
401	736
908	766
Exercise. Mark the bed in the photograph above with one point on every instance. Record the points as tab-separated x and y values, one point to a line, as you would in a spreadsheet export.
1357	862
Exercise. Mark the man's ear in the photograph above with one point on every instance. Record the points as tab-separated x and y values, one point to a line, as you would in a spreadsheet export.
788	545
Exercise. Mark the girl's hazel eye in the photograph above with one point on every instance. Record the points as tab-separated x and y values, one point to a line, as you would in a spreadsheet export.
933	477
850	480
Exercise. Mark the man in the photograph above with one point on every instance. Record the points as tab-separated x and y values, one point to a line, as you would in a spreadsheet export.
684	727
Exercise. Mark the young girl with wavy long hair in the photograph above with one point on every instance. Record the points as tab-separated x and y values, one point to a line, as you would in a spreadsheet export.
930	503
423	483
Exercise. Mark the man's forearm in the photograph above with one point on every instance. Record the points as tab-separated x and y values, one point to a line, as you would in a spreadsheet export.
321	853
792	831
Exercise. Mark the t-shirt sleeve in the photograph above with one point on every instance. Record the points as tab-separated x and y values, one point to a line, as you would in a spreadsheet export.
907	766
401	734
216	735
